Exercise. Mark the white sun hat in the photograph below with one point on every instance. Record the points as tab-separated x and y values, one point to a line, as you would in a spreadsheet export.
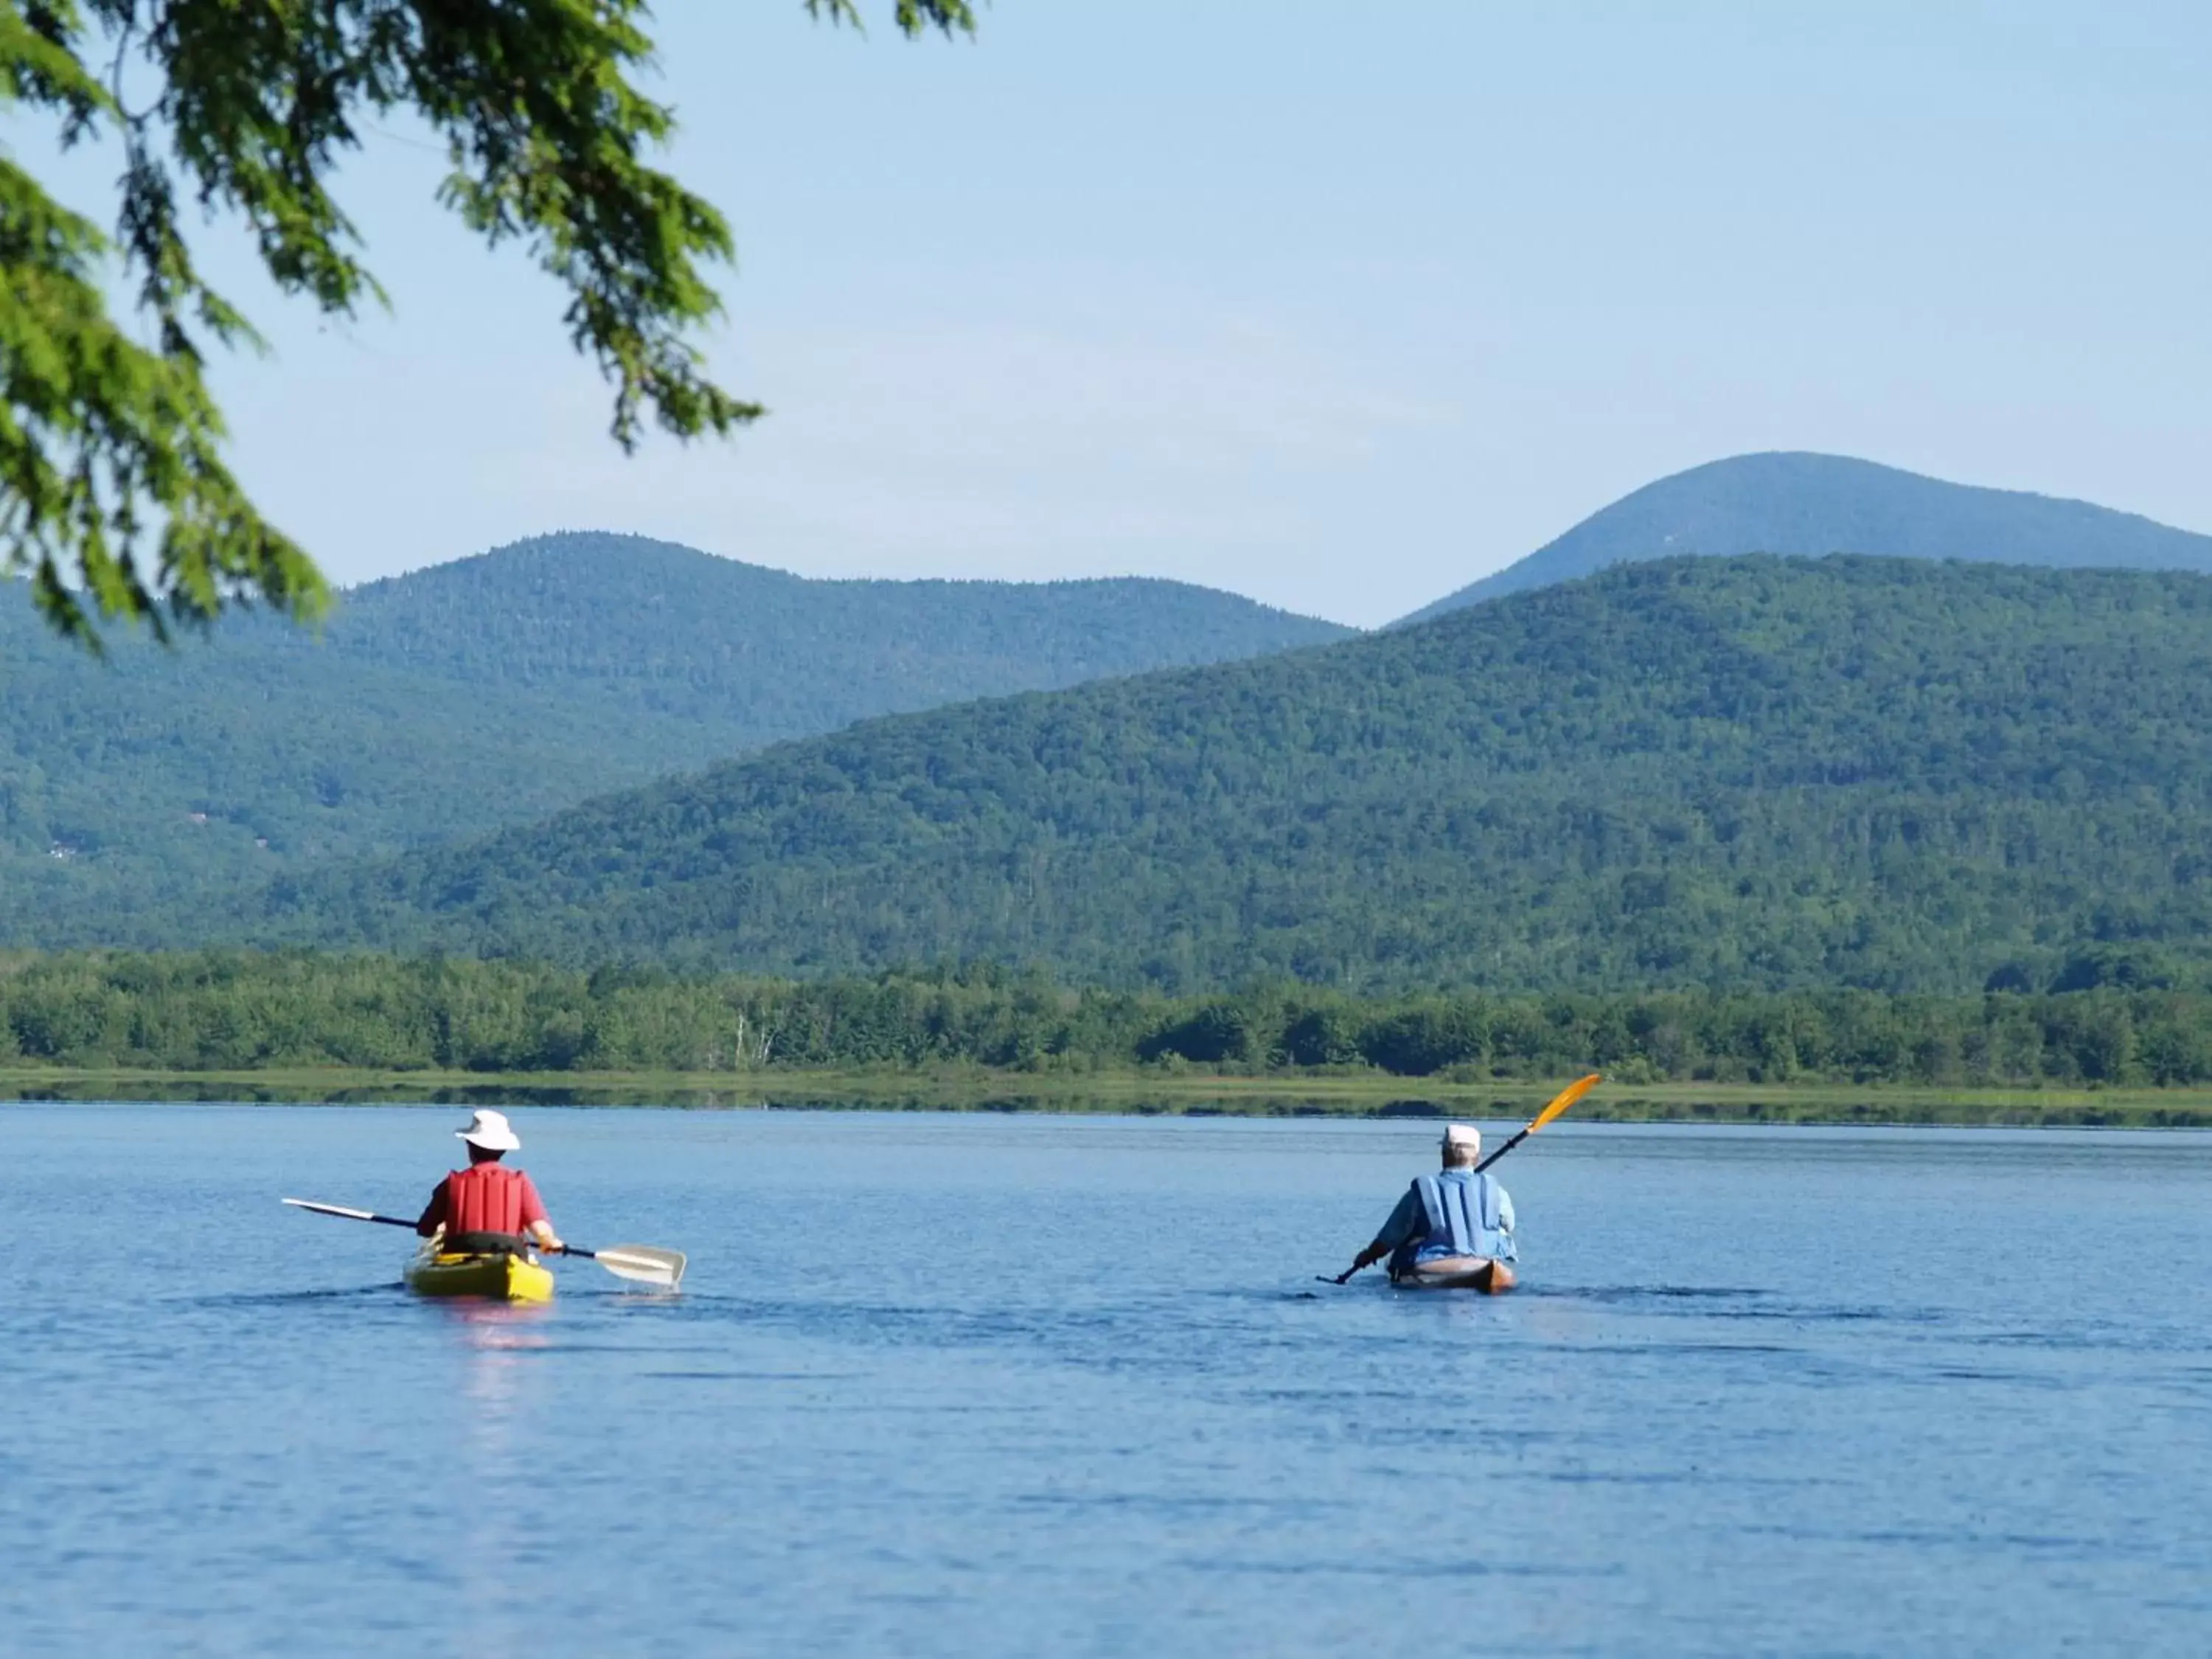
1463	1135
491	1131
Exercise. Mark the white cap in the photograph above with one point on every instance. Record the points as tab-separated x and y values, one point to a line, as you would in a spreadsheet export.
1463	1135
490	1131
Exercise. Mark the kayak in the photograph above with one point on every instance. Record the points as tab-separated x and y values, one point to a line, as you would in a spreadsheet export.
1457	1273
501	1276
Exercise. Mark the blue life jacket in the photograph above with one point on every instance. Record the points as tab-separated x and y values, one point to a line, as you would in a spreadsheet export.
1463	1216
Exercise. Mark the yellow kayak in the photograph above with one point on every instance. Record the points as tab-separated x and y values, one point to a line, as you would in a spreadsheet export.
500	1277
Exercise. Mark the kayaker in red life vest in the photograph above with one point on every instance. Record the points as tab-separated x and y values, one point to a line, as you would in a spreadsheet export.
487	1205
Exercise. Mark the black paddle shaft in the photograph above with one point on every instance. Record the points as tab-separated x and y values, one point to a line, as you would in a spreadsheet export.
566	1249
401	1221
1502	1151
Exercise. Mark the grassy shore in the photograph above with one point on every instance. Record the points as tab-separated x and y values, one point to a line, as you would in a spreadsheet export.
1192	1093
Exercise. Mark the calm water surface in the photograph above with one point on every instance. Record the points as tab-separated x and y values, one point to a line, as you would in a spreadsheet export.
983	1385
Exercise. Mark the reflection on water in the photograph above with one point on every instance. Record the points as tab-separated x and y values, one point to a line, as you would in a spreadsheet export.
500	1345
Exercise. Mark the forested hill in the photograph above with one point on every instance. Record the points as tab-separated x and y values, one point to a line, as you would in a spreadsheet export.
1750	771
496	691
1818	504
766	655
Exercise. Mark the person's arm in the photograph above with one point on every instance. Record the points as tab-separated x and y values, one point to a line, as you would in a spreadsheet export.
535	1221
434	1212
1505	1211
1407	1221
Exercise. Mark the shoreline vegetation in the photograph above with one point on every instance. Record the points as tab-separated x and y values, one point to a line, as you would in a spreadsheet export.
1134	1091
308	1026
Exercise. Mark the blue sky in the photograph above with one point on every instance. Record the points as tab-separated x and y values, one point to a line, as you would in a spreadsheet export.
1339	306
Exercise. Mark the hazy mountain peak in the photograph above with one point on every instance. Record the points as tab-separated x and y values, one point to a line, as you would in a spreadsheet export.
1796	503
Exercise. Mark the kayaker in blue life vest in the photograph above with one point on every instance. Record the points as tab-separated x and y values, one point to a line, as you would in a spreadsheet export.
489	1207
1453	1213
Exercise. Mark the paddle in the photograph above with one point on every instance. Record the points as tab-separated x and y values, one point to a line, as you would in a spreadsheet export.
645	1263
350	1215
1566	1097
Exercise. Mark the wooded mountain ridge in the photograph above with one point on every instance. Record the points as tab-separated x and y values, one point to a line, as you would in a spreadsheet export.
497	690
1755	772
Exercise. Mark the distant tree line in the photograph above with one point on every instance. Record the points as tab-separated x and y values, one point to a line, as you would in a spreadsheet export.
244	1011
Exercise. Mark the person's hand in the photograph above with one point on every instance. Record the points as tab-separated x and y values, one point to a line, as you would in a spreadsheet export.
551	1245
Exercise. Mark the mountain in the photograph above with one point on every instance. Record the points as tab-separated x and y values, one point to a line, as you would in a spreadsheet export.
1815	504
763	655
497	690
1752	772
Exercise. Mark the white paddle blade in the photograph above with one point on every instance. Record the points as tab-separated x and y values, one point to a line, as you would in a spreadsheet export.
643	1263
334	1209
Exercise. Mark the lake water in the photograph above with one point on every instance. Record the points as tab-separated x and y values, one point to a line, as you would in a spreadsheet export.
992	1385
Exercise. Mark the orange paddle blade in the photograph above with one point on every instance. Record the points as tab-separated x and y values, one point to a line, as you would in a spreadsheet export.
1566	1097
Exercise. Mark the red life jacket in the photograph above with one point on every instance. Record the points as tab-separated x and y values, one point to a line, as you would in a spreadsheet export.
485	1198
